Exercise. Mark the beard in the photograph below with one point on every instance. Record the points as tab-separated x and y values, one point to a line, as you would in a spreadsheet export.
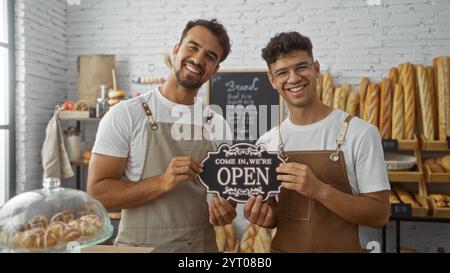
187	82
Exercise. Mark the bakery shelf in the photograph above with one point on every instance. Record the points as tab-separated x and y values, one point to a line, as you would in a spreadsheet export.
405	176
433	145
424	209
436	211
408	144
433	177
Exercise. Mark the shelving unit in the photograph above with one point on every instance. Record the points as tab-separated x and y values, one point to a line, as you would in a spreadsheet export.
81	163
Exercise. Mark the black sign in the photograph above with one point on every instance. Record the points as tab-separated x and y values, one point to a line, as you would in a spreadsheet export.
448	143
401	210
390	145
245	98
240	171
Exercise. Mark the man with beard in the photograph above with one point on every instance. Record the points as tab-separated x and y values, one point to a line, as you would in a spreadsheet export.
142	166
323	197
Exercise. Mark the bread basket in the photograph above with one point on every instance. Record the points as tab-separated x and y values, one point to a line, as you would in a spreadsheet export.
399	162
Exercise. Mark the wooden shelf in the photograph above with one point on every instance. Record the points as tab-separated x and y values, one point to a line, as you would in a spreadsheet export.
81	119
408	144
405	176
433	145
432	177
80	162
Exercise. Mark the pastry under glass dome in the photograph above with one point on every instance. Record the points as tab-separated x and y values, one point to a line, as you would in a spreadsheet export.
52	219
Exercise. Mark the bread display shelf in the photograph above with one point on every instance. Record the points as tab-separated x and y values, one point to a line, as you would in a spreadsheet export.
433	177
436	211
413	176
433	145
424	209
408	144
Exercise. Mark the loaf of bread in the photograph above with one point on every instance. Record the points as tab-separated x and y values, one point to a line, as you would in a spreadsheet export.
410	106
248	239
434	99
373	104
425	96
328	95
433	165
230	235
262	241
393	198
220	237
319	86
444	162
441	67
398	113
327	81
352	103
363	86
340	98
393	76
386	109
406	197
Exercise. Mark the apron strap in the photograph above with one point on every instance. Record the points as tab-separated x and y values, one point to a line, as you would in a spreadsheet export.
149	116
339	141
341	137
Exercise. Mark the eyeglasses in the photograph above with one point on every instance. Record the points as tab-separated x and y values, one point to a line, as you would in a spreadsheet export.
300	69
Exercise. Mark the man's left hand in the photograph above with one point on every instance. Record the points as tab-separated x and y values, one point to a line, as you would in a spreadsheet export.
221	211
300	178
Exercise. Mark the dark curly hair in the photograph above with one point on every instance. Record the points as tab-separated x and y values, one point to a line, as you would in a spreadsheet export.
216	28
284	43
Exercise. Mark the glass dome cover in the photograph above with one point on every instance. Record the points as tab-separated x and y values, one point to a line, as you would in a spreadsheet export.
52	219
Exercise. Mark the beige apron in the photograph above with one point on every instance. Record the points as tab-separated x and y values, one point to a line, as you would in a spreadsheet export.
177	221
305	224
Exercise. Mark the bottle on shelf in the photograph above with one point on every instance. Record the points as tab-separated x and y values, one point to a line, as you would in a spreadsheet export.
102	103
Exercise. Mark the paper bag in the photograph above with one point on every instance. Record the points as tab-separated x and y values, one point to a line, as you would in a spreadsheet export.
93	71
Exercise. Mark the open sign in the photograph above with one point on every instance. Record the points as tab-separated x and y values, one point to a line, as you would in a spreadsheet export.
240	171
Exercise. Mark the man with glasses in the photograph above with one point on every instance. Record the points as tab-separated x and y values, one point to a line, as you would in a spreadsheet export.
324	198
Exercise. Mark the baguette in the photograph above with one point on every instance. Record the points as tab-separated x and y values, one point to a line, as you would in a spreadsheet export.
373	106
340	97
398	121
386	109
362	97
442	91
425	102
409	90
220	237
406	197
327	96
393	75
230	241
393	198
434	100
327	81
319	87
444	162
352	103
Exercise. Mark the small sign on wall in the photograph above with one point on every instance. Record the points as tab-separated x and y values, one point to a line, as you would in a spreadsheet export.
240	171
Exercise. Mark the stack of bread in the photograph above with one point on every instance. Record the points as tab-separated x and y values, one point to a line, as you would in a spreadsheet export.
226	238
404	196
339	97
441	200
256	239
438	165
441	104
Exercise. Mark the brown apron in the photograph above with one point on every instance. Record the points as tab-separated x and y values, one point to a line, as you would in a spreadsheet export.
304	224
177	221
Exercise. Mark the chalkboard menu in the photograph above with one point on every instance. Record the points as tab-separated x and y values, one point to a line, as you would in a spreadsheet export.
248	102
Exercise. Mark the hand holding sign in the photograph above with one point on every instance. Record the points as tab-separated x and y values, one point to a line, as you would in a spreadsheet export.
180	169
260	213
221	211
240	171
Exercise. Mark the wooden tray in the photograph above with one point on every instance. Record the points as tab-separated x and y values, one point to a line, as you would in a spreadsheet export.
433	145
424	210
433	177
438	212
413	176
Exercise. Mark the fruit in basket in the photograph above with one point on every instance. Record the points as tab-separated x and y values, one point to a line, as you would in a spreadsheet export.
67	105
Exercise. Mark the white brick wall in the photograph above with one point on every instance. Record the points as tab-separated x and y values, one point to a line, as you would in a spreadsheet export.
351	39
41	68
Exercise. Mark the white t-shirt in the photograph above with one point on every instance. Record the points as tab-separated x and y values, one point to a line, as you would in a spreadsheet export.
362	148
123	130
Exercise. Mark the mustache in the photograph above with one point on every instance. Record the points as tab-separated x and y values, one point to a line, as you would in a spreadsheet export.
195	65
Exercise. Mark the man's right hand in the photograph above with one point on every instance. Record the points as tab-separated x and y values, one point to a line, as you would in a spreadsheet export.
258	212
180	169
